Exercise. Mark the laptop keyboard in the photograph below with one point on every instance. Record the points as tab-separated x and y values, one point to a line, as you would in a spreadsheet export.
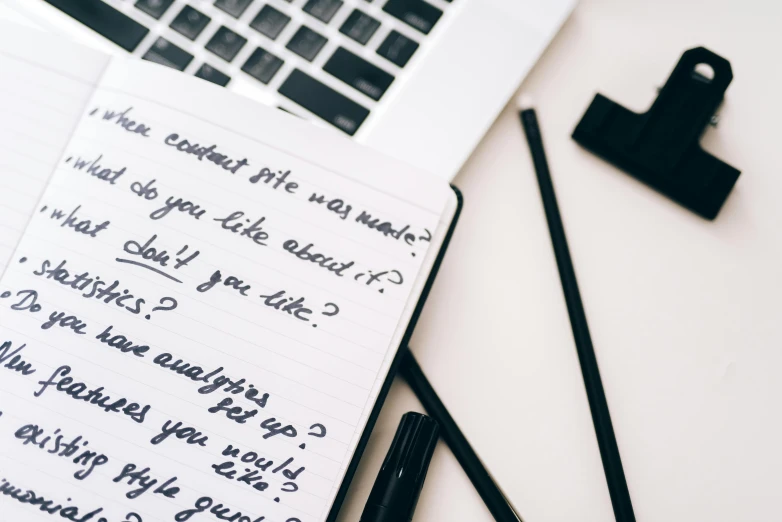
331	59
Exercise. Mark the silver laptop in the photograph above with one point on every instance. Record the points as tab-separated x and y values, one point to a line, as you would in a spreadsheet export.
421	80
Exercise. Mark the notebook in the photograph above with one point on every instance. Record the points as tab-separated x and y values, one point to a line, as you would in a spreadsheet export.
201	299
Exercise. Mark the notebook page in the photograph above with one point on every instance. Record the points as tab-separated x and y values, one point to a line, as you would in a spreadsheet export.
202	309
43	93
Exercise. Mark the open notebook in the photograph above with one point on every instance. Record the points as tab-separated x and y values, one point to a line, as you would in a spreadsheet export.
202	298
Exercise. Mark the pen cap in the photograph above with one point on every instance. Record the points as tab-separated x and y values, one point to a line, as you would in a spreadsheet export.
398	485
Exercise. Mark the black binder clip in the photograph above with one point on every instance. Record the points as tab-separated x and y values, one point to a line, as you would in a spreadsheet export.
660	147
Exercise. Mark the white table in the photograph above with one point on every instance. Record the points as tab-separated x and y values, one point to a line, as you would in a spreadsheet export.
685	313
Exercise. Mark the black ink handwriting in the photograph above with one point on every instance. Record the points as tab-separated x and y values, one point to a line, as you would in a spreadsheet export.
233	223
65	321
209	153
306	253
180	205
213	380
335	205
234	413
122	343
267	176
147	191
123	120
180	431
93	287
54	444
385	227
132	475
78	391
29	301
262	463
73	221
95	169
230	281
273	427
150	253
12	360
295	307
220	511
29	496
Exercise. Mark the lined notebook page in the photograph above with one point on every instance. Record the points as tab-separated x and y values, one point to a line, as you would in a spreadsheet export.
43	93
199	316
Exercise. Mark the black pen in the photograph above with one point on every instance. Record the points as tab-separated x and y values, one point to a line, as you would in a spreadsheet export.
481	479
398	485
606	440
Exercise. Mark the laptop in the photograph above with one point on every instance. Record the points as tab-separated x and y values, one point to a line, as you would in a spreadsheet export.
420	80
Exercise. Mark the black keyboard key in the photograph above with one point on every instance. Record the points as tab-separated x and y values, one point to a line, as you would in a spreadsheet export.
104	20
323	10
234	8
359	26
210	74
306	43
154	8
226	43
324	102
168	54
397	48
189	22
270	22
358	73
415	13
262	65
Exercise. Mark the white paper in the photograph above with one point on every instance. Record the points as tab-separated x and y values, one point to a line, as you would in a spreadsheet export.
155	223
42	95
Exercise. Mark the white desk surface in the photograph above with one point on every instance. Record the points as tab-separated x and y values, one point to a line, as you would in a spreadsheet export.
684	313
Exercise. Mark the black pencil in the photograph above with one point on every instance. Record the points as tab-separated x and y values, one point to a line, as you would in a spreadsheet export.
498	505
606	440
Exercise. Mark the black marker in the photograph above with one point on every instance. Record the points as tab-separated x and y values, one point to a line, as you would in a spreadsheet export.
398	484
